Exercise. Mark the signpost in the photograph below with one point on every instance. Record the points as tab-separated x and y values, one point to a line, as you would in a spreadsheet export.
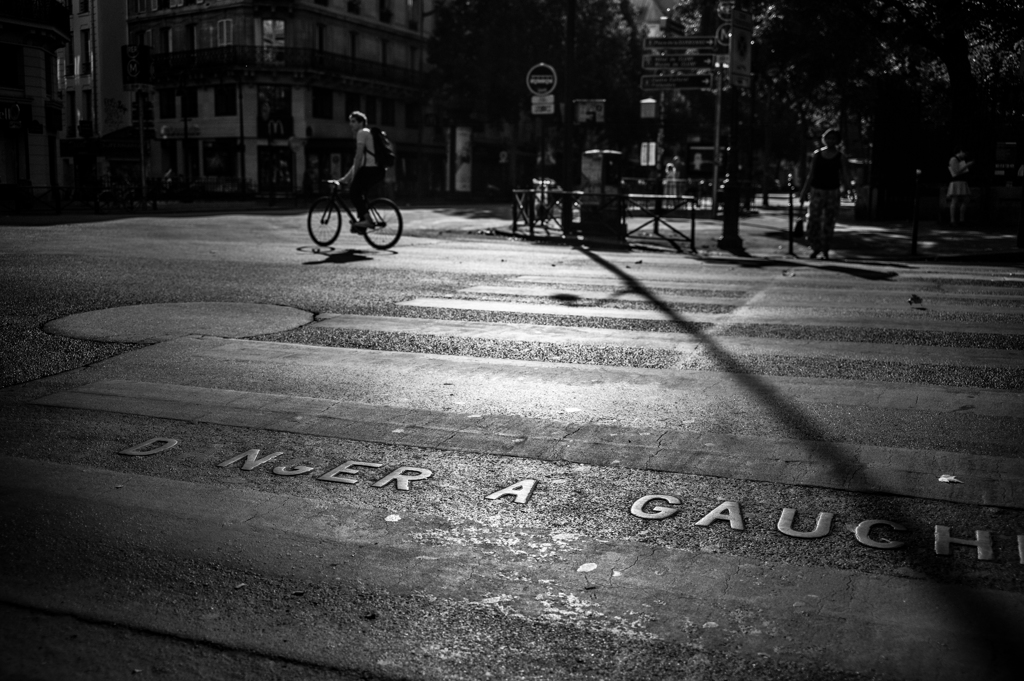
541	81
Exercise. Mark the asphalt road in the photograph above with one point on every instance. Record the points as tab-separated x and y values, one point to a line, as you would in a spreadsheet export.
481	457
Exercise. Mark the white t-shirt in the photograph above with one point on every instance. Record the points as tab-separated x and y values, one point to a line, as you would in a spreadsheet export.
366	138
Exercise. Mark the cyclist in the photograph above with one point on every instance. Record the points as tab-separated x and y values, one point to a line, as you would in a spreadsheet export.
364	173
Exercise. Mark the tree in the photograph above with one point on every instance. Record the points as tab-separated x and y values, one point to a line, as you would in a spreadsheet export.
481	52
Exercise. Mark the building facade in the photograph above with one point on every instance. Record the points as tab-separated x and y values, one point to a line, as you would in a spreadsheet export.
31	33
254	94
97	141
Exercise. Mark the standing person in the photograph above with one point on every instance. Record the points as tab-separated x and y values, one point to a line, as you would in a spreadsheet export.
365	173
824	181
959	192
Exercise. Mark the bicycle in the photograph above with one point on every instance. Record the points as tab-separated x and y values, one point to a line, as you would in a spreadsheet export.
122	196
324	219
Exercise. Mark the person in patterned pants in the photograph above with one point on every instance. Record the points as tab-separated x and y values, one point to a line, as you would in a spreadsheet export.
824	182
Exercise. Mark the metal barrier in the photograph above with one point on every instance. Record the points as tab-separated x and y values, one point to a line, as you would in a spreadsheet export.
542	208
662	210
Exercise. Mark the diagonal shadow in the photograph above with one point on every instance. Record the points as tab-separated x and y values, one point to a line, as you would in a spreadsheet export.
972	611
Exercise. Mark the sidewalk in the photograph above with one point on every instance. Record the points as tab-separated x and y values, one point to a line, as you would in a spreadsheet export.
764	232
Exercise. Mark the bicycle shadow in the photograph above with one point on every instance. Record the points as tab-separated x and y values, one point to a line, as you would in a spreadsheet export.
335	256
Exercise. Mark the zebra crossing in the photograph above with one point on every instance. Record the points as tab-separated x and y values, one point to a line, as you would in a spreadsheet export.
677	427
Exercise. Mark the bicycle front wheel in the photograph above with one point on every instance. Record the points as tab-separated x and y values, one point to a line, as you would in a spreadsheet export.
387	224
324	221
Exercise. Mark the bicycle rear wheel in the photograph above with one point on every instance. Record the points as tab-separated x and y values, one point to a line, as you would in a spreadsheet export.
387	224
324	221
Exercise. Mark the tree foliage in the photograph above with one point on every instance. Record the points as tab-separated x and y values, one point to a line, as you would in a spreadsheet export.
481	52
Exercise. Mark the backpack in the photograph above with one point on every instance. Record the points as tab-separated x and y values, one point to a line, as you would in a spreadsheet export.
384	152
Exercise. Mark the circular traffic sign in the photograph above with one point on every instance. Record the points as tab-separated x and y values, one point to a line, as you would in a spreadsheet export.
541	79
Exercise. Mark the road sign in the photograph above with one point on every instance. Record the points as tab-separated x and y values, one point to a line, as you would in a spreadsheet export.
542	99
542	109
134	65
589	110
690	42
678	61
541	79
675	82
739	48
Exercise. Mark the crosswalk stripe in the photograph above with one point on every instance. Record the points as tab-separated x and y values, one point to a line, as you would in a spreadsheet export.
777	297
804	316
680	342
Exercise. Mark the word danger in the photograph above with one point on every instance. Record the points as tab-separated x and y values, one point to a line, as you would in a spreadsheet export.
344	473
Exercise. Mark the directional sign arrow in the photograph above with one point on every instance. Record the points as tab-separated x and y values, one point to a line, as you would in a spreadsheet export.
683	82
669	61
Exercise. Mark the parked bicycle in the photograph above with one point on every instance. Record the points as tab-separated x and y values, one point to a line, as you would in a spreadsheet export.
118	196
324	219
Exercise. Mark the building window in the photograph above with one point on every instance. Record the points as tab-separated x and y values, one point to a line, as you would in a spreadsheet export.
353	44
219	156
370	104
12	75
384	47
168	105
225	100
355	6
321	37
141	6
147	38
166	40
412	14
72	113
322	2
189	102
225	35
85	41
387	112
190	37
323	103
352	103
273	39
384	11
413	115
83	6
275	111
85	117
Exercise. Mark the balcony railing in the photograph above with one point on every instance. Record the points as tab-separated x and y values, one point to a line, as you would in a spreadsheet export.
197	65
51	13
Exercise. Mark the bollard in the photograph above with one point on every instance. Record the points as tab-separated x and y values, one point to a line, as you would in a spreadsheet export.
913	237
789	182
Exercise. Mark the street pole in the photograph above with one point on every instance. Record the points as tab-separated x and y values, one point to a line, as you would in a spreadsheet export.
718	145
917	186
567	119
142	142
730	240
